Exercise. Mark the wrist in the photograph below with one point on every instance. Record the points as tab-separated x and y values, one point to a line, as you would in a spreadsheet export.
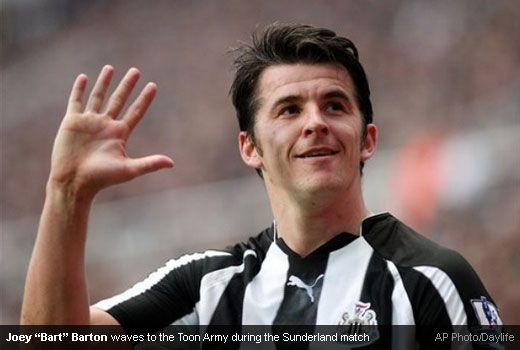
68	192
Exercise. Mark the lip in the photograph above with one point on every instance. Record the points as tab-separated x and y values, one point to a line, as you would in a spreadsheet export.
317	153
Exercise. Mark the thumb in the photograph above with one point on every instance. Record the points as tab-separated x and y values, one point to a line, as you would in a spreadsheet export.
144	165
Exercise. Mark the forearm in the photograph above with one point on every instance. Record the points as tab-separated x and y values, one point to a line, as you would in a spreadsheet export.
89	154
56	288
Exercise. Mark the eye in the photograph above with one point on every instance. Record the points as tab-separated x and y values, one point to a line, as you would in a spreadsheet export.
334	107
290	110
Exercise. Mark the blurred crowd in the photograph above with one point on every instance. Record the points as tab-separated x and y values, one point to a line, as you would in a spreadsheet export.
445	79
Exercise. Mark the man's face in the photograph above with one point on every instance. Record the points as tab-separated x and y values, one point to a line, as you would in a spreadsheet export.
308	130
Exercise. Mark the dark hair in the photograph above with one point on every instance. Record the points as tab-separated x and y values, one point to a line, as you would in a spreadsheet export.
291	44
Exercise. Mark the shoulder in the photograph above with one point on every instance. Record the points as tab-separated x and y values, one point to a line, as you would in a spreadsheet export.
439	281
252	248
171	292
400	244
256	246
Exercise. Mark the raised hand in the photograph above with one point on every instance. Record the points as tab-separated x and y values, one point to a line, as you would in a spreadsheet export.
89	151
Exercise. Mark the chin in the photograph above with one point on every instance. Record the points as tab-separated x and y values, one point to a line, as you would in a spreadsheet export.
323	185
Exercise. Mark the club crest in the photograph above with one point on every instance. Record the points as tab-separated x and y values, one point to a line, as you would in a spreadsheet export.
363	320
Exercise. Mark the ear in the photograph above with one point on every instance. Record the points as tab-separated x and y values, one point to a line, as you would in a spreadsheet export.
368	147
248	151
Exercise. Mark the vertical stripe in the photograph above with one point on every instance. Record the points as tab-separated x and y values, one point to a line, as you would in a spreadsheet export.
377	289
343	281
429	309
230	305
228	312
264	293
448	293
427	304
302	291
402	311
212	287
376	296
452	300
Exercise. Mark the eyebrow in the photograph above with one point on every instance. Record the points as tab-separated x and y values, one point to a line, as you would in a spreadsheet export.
295	98
286	100
341	95
336	94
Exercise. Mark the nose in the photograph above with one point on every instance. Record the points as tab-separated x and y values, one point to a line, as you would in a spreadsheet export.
315	124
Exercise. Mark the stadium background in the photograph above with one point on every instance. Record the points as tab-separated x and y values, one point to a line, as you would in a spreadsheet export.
445	84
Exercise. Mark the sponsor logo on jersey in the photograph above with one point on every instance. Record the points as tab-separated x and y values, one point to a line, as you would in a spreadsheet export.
486	312
297	282
363	320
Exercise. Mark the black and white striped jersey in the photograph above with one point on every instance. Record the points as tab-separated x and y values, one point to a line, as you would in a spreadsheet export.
389	275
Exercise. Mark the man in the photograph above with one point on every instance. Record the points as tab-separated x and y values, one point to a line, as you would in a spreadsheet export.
303	105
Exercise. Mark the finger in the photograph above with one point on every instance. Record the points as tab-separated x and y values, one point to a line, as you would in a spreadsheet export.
100	88
137	110
123	90
76	95
141	166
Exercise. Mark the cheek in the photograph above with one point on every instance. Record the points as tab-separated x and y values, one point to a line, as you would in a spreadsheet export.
277	143
351	140
282	138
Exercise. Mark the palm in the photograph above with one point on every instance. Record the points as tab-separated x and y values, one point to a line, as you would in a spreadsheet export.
96	149
90	148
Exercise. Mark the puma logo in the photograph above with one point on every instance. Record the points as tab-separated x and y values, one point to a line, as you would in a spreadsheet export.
295	281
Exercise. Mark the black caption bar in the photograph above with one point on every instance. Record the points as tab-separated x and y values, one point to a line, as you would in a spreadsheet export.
258	337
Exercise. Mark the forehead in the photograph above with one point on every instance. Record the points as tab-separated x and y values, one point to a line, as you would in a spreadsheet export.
302	79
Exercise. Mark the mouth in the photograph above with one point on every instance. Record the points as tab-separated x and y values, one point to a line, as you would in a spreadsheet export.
317	153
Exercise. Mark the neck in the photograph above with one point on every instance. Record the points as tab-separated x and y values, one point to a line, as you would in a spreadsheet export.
306	225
